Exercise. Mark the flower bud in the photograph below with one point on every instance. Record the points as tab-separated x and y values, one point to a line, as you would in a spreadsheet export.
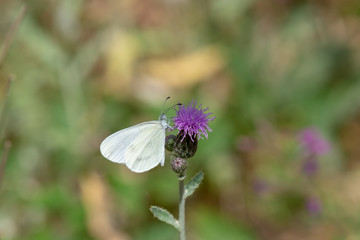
170	142
179	165
185	147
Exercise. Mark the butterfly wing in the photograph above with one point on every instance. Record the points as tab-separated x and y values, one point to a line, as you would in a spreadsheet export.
147	149
140	147
114	146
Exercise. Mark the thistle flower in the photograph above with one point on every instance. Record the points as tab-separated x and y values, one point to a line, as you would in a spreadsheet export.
313	205
192	121
313	145
185	146
170	142
313	142
179	165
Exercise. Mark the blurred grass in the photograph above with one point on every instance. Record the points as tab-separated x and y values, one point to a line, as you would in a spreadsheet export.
266	69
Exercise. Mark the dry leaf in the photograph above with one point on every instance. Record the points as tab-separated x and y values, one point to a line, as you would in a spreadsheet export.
95	200
122	50
187	70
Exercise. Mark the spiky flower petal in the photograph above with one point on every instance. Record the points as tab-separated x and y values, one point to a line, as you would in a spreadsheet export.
193	121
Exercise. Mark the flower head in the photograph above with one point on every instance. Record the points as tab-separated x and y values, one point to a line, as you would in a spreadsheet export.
192	120
184	146
313	205
179	165
313	142
170	142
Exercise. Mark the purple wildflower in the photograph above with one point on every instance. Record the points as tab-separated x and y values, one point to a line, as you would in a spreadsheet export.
313	143
313	205
192	120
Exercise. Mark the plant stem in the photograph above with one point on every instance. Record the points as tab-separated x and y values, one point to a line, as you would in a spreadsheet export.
182	207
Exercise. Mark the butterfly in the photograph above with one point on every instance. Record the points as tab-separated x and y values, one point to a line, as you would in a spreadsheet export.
140	147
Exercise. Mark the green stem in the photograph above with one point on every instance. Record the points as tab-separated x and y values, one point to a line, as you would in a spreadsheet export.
182	207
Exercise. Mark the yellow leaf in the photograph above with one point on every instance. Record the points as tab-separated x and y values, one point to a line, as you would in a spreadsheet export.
94	196
187	70
121	52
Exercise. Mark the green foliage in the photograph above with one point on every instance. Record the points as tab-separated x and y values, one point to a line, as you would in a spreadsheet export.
165	216
193	184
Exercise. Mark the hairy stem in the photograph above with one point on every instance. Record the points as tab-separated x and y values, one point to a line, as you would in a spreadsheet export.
182	207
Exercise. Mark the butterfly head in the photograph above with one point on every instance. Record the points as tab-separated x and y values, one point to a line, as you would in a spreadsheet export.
165	123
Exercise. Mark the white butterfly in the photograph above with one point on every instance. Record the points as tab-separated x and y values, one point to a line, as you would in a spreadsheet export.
140	147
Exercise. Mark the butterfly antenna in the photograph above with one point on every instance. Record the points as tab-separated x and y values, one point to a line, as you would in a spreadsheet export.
173	107
162	108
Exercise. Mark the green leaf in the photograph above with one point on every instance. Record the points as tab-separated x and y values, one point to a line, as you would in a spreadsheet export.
193	184
165	216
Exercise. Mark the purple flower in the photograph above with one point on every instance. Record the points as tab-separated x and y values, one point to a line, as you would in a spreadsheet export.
313	205
313	143
192	120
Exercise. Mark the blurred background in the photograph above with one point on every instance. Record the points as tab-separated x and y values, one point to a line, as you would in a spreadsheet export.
282	78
